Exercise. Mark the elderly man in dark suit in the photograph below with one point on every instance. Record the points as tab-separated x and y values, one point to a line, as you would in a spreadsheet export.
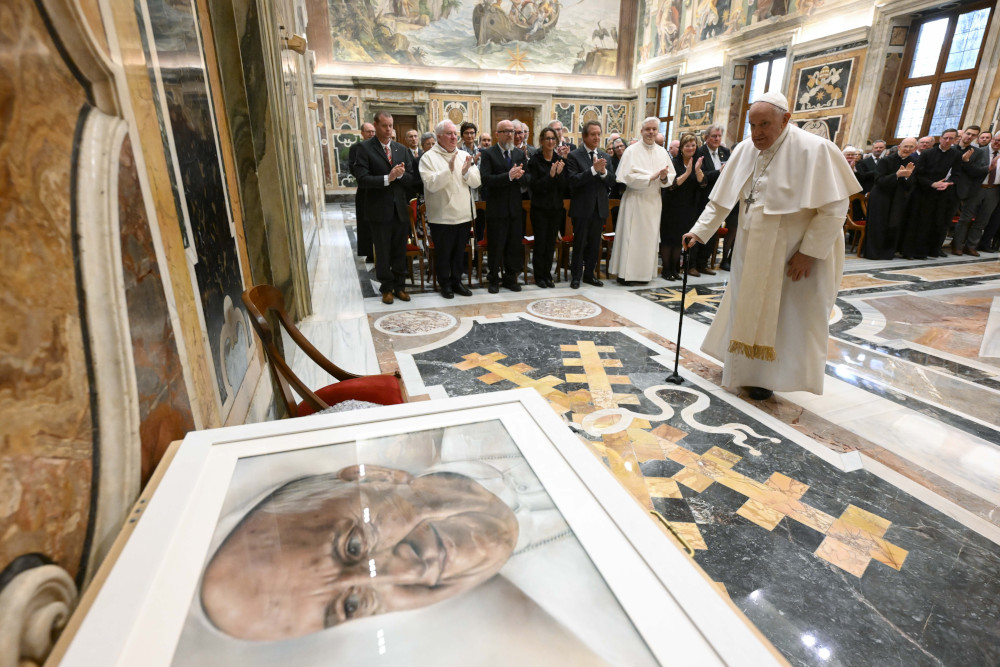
713	158
501	169
968	181
365	247
867	167
386	176
590	177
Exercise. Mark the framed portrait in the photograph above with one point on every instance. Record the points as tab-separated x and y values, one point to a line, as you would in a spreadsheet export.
471	530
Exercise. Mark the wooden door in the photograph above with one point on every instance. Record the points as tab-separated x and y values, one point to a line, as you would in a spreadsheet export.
403	124
524	114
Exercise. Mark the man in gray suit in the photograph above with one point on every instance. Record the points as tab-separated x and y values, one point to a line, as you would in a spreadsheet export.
968	178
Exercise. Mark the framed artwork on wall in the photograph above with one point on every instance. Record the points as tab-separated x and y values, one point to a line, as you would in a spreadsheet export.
823	86
422	533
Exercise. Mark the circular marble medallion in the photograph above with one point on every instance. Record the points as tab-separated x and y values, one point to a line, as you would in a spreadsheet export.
415	323
564	309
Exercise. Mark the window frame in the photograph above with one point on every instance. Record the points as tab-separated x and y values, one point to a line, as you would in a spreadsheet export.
768	58
668	119
939	76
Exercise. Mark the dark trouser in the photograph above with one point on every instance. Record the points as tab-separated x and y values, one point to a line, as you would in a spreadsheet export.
503	241
943	214
365	248
450	243
701	254
545	223
586	246
991	235
389	237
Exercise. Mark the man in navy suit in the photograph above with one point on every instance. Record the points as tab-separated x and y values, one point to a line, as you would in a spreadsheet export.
386	176
590	179
365	247
501	167
714	157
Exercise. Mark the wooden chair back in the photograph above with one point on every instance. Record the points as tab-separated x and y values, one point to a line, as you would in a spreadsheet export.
262	300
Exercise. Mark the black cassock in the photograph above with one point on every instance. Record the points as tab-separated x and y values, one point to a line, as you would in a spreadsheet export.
889	209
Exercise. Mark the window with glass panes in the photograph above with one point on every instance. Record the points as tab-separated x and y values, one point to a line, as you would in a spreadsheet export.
939	68
764	75
665	106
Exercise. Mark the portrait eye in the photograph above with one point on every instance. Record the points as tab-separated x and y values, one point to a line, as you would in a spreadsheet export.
355	545
351	605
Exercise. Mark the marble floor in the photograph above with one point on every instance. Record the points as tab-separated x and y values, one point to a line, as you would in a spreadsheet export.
856	527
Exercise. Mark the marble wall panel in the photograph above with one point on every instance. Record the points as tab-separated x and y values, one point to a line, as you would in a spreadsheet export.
187	113
324	142
697	106
614	115
825	86
164	408
733	121
45	410
880	115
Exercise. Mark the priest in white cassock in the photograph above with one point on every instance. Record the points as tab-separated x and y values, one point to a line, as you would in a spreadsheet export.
645	168
792	188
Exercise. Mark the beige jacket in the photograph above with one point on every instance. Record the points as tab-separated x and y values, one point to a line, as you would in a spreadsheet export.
448	192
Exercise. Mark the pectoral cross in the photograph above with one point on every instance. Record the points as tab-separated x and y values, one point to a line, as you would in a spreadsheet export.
750	200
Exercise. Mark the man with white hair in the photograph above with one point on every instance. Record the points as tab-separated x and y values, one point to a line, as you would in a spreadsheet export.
565	145
792	189
644	169
449	175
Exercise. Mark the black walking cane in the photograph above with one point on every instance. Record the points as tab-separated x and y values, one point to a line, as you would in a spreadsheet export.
675	377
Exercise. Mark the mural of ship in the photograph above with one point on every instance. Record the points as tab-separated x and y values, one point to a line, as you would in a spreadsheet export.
525	22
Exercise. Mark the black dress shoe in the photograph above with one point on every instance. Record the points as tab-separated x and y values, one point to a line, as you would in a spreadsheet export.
591	280
575	283
724	265
541	283
447	292
513	287
621	281
549	283
494	288
759	393
635	283
459	288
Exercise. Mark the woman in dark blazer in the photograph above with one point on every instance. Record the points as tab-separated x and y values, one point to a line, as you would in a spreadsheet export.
547	185
683	202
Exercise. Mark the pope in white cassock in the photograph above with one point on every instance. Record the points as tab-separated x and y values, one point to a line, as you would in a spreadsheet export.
792	188
645	167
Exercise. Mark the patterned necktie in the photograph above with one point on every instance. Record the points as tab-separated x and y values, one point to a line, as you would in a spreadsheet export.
388	154
993	170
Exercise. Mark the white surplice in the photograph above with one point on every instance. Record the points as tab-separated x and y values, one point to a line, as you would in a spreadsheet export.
799	187
636	248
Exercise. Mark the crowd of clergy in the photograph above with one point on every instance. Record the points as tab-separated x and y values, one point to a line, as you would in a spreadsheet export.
923	190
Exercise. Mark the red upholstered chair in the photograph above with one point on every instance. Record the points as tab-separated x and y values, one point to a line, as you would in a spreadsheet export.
857	214
564	243
481	246
413	249
607	239
382	389
528	239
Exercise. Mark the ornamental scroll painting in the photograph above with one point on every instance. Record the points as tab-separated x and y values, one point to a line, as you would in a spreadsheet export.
823	86
827	127
433	546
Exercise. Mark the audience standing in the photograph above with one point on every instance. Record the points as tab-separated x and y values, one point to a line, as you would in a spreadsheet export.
449	175
366	248
645	168
501	169
889	202
548	181
385	176
590	177
683	202
968	178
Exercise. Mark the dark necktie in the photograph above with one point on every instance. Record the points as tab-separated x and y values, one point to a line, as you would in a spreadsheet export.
506	156
591	157
993	169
